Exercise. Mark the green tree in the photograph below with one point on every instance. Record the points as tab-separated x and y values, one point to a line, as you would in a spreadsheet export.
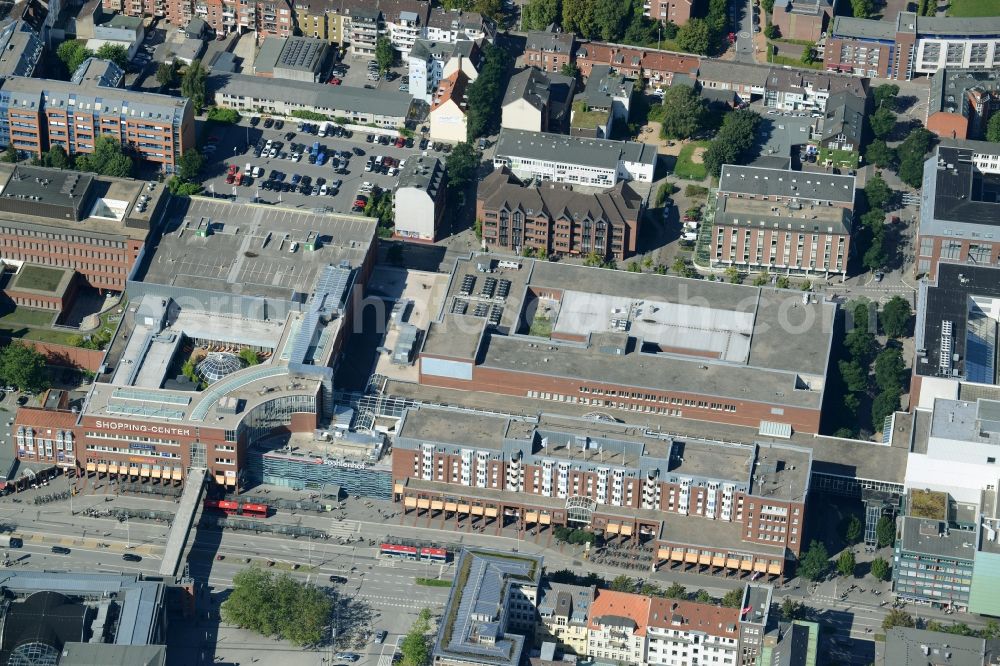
878	193
861	344
771	31
733	275
703	597
415	647
852	533
761	279
21	365
896	317
9	154
695	36
885	96
643	31
683	113
593	259
897	618
782	282
911	155
622	583
107	158
862	8
190	164
72	53
882	122
885	531
385	55
854	375
249	356
578	16
791	610
815	562
167	74
539	14
461	165
676	591
610	19
875	257
56	158
993	128
890	369
634	267
880	569
223	115
808	55
486	92
683	268
116	53
885	404
570	70
277	606
880	154
733	142
846	563
732	599
193	85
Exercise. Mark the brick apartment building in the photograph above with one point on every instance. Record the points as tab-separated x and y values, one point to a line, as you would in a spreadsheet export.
783	221
40	113
554	219
268	18
657	67
549	51
677	12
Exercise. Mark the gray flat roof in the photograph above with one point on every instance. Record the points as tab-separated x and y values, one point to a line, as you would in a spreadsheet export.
949	87
295	53
422	172
928	26
932	537
733	72
956	196
247	252
452	426
786	183
757	213
691	530
102	654
864	29
919	647
545	146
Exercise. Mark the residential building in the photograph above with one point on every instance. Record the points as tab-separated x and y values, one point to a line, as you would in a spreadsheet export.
652	65
905	645
843	123
449	109
93	226
293	59
40	113
268	18
803	90
385	108
592	361
681	632
361	26
431	61
554	219
563	610
537	101
405	22
605	100
933	563
140	423
549	51
617	627
457	25
21	47
748	81
420	197
958	214
574	160
755	621
780	220
802	19
490	608
795	642
318	19
961	102
101	27
910	44
670	11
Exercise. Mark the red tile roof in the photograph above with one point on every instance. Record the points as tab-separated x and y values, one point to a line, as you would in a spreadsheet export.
694	616
620	604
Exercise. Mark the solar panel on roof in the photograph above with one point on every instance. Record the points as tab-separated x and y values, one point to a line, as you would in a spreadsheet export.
481	310
459	306
495	314
467	284
488	288
503	288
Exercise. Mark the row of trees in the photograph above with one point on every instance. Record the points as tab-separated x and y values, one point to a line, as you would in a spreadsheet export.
624	583
278	606
573	536
486	93
415	648
620	22
72	53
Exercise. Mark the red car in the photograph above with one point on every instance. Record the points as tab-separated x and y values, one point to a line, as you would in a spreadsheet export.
230	179
400	142
233	170
334	81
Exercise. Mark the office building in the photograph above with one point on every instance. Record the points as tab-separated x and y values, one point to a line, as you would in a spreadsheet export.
574	160
556	220
962	102
537	101
633	62
933	563
202	297
432	61
40	113
549	51
293	59
959	211
420	199
910	44
802	19
780	220
489	611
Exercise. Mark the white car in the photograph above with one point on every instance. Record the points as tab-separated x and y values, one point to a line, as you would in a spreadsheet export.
323	190
273	153
257	172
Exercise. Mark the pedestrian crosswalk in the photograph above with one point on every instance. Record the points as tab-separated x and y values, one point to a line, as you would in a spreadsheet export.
343	528
385	659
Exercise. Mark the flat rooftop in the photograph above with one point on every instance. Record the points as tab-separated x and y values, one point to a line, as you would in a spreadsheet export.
762	181
932	537
958	198
716	534
247	249
762	214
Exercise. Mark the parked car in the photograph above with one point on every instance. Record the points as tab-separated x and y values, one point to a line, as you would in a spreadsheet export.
131	557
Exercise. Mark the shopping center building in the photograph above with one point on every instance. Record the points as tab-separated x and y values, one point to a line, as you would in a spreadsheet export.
237	314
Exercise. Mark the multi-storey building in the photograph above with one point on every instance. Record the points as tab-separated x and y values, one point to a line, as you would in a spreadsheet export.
405	22
554	219
617	627
745	80
419	200
198	298
549	51
318	19
904	645
911	45
723	507
537	101
958	213
933	563
36	114
962	102
686	632
782	220
456	25
574	160
802	19
631	349
450	109
361	27
669	11
21	47
656	67
801	90
293	59
432	61
563	610
266	18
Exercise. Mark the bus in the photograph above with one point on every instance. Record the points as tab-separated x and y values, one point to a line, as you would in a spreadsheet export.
254	510
414	551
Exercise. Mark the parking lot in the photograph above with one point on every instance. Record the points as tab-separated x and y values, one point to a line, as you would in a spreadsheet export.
234	144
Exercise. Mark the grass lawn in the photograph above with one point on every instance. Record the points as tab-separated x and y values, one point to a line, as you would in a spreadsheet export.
27	317
433	582
846	158
39	334
686	167
541	327
973	8
40	278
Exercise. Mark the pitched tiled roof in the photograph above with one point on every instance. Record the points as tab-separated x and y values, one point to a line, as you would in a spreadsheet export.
620	608
694	616
452	87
